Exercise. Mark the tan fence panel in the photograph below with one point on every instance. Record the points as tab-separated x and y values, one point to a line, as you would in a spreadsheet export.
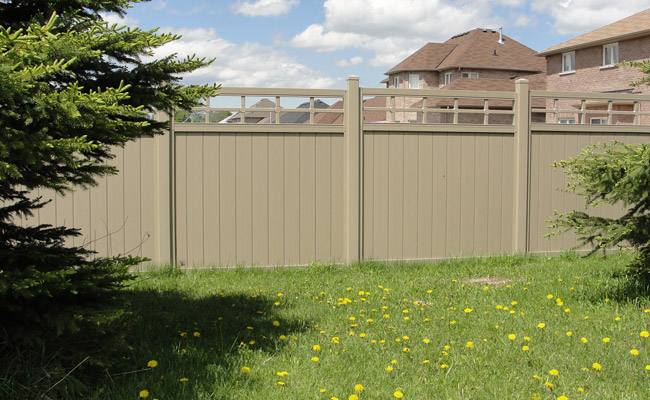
546	183
432	195
258	198
116	217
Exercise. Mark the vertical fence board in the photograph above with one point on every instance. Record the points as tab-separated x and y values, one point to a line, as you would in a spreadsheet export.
440	217
337	222
244	205
410	196
276	219
116	218
292	199
194	200
323	200
307	159
227	201
211	200
425	197
368	194
481	193
395	196
260	199
381	195
454	195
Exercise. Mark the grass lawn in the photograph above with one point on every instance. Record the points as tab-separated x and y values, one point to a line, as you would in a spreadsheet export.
482	328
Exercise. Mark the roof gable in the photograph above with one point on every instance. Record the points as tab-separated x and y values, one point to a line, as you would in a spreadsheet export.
632	26
478	48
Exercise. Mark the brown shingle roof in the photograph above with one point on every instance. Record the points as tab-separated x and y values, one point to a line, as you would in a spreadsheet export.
626	28
473	49
425	59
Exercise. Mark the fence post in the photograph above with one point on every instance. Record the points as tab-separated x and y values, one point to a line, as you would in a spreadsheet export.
352	171
521	176
163	204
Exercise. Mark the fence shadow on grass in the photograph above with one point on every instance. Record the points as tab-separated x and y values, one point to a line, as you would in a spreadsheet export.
203	339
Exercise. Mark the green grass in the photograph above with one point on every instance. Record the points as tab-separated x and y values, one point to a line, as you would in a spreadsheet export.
415	318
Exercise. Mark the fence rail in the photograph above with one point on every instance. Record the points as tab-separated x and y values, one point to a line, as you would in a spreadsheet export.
350	186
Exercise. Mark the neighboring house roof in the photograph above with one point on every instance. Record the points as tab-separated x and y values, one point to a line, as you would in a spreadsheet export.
627	28
255	116
368	116
301	117
478	48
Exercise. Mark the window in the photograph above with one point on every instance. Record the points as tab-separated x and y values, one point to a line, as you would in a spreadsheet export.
566	121
448	78
397	81
610	54
472	75
569	61
414	81
598	121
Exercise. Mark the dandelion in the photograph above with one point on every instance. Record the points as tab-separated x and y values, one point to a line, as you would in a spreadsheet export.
562	398
316	347
426	341
152	364
584	340
526	338
468	310
183	380
315	359
280	294
581	390
606	340
634	352
525	348
398	394
550	296
567	310
647	367
389	368
323	390
569	333
469	345
549	385
197	334
281	383
444	366
245	369
541	325
617	319
282	373
596	366
276	323
512	336
393	361
353	397
358	388
514	303
144	394
554	372
644	334
426	362
452	323
537	377
335	340
282	337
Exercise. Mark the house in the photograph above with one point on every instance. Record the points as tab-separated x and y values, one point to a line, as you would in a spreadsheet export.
589	63
480	59
255	117
368	116
477	54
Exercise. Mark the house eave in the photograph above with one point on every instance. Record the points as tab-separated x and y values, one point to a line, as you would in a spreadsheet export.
611	39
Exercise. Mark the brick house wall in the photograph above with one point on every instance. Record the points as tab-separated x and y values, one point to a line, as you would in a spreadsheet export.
590	76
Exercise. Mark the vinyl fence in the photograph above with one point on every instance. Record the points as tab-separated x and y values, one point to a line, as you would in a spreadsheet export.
455	173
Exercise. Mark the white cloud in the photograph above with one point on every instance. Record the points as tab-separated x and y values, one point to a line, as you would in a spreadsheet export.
120	21
264	7
524	20
349	63
575	17
248	64
392	30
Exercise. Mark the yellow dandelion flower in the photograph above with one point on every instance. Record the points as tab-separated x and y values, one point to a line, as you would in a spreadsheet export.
554	372
316	347
197	334
353	397
426	362
406	350
469	345
335	340
581	390
444	366
525	348
452	323
584	340
549	385
537	377
245	369
183	380
644	334
282	337
276	323
541	325
389	368
358	388
315	359
468	310
606	340
281	383
634	352
526	338
280	294
567	310
144	394
596	366
282	373
562	398
569	333
323	390
550	296
647	367
512	336
617	319
398	394
152	364
426	341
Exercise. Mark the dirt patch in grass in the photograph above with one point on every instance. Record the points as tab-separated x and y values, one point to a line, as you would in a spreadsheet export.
489	280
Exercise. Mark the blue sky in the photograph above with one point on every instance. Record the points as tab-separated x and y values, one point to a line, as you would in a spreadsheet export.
317	44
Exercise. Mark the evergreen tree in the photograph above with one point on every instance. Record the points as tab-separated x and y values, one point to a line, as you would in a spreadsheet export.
71	89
